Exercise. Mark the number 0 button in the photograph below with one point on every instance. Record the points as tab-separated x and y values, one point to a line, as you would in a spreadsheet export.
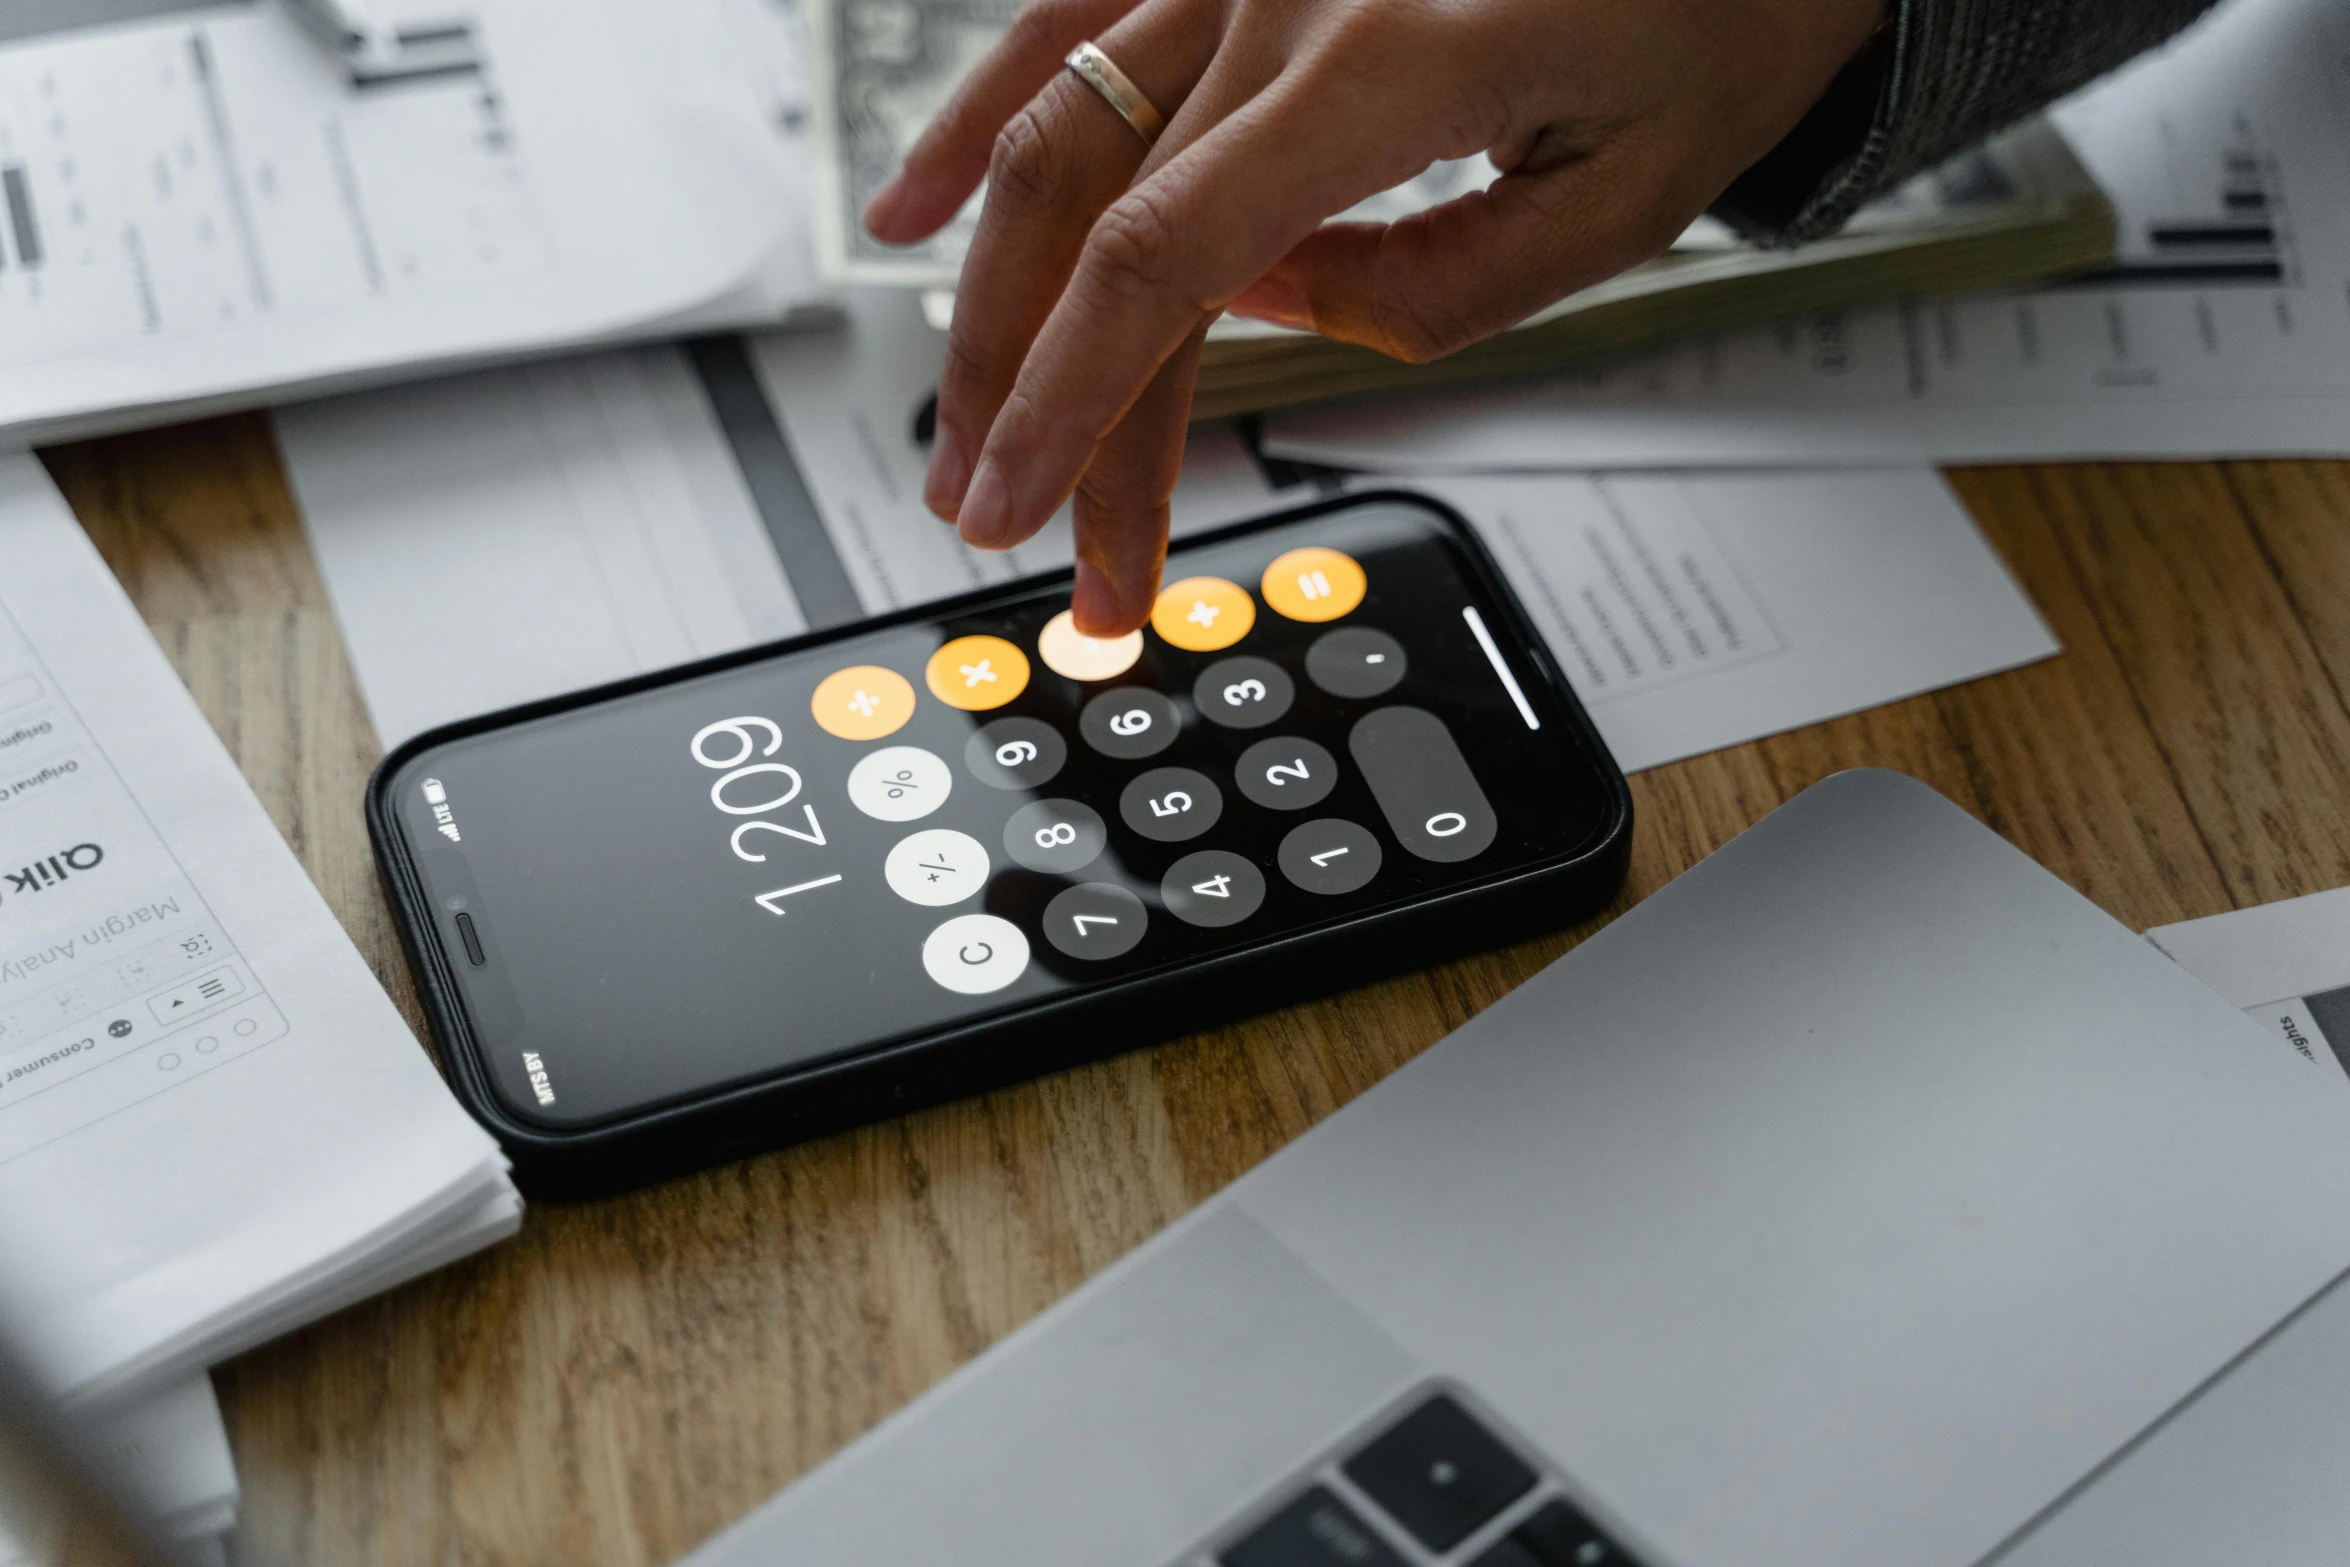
1129	723
1171	804
1286	773
1095	921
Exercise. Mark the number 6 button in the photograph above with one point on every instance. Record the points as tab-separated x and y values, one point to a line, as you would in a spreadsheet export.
1171	804
1286	774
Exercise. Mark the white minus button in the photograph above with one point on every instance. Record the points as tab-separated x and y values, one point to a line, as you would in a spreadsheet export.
1500	667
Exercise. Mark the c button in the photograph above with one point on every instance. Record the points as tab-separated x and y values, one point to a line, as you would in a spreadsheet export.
975	954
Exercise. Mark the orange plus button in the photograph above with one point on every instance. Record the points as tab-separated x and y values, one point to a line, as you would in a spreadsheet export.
977	673
1314	584
1202	614
863	703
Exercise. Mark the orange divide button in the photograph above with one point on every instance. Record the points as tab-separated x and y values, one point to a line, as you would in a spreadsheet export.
1314	584
977	673
1202	614
863	702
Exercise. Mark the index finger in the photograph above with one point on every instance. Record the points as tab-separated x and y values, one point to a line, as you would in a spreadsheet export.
1184	241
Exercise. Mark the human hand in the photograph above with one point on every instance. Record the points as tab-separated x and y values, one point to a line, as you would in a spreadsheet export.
1099	261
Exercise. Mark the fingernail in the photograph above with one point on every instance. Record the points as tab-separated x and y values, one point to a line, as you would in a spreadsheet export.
1093	603
986	513
1276	300
949	476
884	205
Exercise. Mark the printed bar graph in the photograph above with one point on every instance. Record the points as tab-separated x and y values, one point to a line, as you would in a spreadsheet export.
18	192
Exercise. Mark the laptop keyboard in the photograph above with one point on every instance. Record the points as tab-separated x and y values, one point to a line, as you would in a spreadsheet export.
1433	1485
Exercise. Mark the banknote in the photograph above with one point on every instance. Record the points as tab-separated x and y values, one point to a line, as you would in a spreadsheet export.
882	68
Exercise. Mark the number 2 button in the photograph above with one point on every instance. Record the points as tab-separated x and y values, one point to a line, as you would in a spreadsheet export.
1286	773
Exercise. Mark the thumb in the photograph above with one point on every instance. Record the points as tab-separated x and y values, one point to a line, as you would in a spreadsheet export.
1424	286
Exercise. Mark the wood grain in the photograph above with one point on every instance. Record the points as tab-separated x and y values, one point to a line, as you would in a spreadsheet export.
628	1376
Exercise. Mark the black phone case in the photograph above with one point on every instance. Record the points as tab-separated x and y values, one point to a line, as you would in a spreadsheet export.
1046	1035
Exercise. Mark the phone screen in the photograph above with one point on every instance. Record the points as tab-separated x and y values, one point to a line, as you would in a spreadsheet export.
832	849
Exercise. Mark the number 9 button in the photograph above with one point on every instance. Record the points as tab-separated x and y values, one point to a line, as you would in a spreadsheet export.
1016	753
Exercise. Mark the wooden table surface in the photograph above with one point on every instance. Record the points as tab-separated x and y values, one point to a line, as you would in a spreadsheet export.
628	1376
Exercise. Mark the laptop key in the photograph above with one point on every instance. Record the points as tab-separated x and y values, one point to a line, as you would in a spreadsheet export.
1316	1530
1439	1473
1555	1536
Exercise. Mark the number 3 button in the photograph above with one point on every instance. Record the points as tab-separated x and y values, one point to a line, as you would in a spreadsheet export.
1171	804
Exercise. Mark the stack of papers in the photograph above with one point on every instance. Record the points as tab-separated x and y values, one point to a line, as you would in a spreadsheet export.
2223	331
202	207
214	1126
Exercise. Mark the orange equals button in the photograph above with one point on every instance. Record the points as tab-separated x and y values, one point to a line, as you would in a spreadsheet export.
1314	584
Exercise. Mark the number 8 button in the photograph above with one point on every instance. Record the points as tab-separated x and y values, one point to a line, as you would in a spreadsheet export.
1171	804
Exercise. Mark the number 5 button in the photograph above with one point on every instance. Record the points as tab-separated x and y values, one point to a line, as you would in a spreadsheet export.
1171	804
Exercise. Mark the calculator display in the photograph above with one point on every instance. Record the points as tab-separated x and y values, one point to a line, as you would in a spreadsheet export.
833	849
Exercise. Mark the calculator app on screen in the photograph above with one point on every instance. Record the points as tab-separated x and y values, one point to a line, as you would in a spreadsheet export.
799	857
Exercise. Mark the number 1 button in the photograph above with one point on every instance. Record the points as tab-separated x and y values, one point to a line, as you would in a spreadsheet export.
1095	921
1331	857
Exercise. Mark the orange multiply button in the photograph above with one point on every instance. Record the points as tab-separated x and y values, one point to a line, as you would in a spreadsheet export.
864	702
1313	584
977	673
1203	614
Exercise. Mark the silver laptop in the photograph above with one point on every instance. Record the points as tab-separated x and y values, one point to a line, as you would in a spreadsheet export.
1863	1196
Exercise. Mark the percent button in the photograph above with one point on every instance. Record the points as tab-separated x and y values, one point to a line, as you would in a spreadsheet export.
899	783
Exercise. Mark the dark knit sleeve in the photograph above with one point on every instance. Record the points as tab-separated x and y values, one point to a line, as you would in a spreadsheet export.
1941	75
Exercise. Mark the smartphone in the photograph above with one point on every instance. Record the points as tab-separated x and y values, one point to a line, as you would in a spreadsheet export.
670	921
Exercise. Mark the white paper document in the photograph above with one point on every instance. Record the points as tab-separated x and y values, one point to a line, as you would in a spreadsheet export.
2286	964
214	1126
2225	328
169	1451
1696	611
201	206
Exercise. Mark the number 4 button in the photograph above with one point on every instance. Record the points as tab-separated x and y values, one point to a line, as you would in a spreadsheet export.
1212	888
